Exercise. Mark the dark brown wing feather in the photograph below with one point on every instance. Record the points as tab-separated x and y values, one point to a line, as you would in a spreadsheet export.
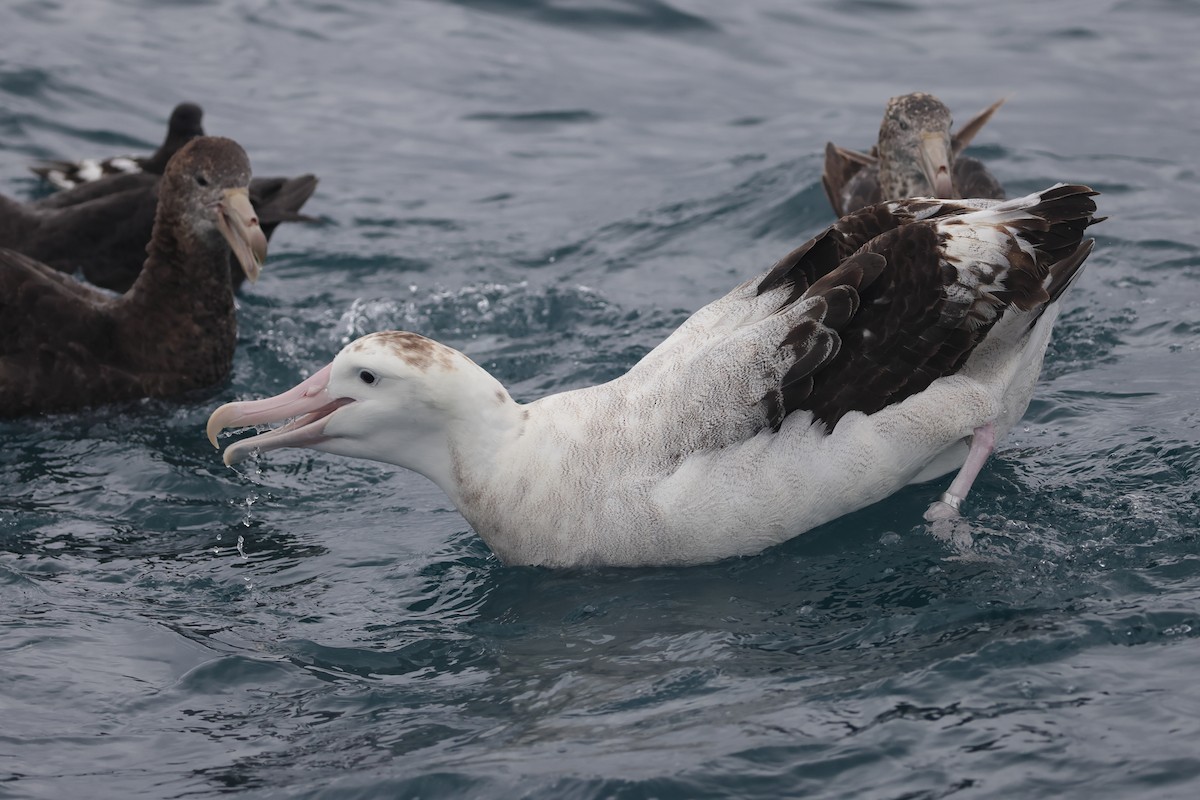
54	332
905	335
105	237
887	326
824	253
963	134
842	178
279	200
95	190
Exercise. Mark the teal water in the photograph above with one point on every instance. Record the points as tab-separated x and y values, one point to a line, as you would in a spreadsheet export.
551	186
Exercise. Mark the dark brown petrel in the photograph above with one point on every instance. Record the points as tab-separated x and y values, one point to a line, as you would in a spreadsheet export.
101	229
916	156
65	345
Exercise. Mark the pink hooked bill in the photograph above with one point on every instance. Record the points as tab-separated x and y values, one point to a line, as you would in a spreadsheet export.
308	406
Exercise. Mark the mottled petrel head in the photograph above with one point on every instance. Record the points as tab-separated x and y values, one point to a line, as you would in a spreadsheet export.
915	152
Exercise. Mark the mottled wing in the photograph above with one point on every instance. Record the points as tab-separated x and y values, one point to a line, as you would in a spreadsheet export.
918	298
184	125
73	174
905	335
824	253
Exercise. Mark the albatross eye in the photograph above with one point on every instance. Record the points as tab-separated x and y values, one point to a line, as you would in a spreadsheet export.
203	181
367	377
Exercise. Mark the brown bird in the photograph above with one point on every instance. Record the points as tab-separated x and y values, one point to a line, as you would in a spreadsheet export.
916	156
112	204
101	228
66	345
183	126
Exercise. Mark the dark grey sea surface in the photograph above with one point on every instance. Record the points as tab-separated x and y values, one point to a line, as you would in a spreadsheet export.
552	186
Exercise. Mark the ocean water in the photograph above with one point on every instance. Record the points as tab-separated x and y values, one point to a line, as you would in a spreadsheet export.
552	186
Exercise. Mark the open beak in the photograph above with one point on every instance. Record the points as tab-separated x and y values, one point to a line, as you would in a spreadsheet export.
307	405
239	223
934	154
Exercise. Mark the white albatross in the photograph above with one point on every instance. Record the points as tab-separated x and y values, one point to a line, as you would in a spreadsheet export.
892	348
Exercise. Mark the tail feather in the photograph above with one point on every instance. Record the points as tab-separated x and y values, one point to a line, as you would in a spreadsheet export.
1066	270
279	200
1068	211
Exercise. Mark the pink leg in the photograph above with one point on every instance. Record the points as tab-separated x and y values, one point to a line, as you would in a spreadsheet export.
983	442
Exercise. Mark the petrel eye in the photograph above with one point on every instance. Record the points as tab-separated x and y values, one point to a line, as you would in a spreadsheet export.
367	377
203	181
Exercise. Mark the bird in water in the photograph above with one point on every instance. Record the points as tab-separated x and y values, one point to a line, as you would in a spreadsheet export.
917	155
894	347
100	224
183	126
65	345
100	229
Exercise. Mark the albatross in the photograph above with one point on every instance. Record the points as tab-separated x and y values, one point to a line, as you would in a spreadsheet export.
65	345
894	347
916	155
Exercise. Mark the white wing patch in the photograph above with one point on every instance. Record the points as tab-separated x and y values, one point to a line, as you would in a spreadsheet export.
124	164
60	179
90	170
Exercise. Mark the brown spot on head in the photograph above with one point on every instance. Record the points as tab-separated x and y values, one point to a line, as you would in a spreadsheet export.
419	352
